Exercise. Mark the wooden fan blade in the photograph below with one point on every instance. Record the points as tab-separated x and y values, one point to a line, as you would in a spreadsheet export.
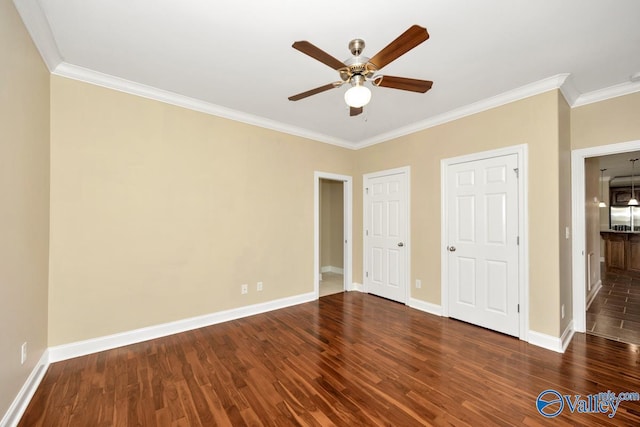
317	53
413	85
313	91
353	111
403	44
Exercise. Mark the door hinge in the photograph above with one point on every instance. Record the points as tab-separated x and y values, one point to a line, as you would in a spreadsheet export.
518	308
366	232
518	240
366	190
517	171
367	274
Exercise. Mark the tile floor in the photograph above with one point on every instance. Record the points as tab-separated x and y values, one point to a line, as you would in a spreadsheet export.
615	311
331	283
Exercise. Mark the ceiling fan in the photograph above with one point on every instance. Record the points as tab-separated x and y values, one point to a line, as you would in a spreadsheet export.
359	69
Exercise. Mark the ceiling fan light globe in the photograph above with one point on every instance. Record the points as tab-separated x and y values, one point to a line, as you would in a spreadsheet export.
602	205
357	96
633	202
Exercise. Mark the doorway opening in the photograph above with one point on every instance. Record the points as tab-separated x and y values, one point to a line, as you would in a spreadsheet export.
605	270
332	233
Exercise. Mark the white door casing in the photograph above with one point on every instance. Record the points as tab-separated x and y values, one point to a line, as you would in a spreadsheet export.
484	279
386	234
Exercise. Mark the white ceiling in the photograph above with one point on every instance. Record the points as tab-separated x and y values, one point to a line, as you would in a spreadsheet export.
234	58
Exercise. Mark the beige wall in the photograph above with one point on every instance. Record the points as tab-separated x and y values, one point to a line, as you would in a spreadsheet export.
24	203
532	121
159	213
331	223
608	122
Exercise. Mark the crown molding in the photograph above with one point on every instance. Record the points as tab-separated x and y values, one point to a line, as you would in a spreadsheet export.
122	85
522	92
569	90
615	91
38	27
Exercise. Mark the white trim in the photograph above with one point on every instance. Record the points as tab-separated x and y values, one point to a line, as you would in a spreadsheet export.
38	27
406	170
331	269
607	93
86	75
94	345
553	343
545	341
357	287
578	263
523	227
535	88
22	399
592	295
347	192
425	306
567	335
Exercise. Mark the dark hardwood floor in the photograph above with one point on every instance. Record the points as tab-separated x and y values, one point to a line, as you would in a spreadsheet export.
349	359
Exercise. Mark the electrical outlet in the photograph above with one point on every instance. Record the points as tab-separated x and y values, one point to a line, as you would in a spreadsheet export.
244	289
562	311
418	283
23	353
259	286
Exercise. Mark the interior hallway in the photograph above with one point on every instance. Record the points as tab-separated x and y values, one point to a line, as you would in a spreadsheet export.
615	311
331	283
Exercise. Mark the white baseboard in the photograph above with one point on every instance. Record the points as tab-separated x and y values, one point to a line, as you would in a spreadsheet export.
20	403
593	293
331	269
567	335
556	344
94	345
355	286
545	341
427	307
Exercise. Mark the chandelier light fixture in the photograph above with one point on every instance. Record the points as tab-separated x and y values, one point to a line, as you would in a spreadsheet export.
633	201
602	203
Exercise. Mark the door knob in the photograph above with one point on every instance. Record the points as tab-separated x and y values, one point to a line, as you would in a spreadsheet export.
400	244
451	248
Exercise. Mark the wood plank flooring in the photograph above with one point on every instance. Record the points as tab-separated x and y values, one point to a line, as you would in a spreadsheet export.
348	359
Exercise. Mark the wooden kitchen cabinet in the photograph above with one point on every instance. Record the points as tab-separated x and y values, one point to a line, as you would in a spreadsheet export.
620	196
621	251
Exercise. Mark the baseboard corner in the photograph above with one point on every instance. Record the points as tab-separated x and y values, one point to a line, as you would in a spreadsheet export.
22	399
355	286
427	307
545	341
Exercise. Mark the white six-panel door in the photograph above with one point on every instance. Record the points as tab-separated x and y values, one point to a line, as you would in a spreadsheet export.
482	198
386	229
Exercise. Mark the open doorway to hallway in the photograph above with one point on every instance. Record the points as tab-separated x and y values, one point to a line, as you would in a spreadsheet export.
612	247
333	225
331	237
